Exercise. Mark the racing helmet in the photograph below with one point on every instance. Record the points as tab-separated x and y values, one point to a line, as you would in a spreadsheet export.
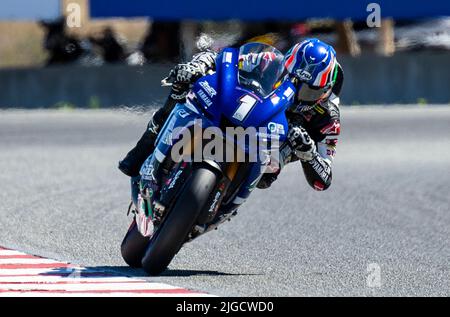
313	63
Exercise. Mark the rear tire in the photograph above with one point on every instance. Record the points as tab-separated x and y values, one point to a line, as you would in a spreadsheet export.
133	246
179	222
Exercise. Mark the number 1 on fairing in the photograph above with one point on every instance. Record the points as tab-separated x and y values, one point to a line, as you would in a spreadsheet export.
246	104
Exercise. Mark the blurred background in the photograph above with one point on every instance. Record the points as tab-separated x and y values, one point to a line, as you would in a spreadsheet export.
99	53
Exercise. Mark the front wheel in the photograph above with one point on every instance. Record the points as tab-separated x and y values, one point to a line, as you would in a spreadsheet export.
133	246
172	233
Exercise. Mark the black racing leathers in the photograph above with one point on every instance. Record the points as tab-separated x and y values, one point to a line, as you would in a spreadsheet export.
177	95
322	122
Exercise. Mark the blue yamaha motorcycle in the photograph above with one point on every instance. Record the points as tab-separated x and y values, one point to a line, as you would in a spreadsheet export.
185	193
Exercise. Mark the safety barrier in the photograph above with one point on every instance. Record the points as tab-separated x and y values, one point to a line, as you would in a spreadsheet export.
405	78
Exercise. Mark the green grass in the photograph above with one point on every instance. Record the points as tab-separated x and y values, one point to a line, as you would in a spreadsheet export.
64	105
94	103
422	102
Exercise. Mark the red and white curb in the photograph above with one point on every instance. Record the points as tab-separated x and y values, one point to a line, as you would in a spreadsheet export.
23	274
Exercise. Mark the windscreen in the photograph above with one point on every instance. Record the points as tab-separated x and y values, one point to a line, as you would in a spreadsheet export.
260	66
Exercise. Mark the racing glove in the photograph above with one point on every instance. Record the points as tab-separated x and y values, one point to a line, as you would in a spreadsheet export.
189	72
186	73
301	144
206	60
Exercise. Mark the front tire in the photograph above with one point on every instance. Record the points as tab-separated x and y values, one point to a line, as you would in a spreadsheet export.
133	246
179	222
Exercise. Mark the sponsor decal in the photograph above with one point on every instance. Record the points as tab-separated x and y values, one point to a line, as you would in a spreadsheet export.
331	152
204	97
305	108
209	90
319	109
304	75
167	139
147	171
183	113
276	128
227	57
288	93
214	203
321	170
174	179
332	128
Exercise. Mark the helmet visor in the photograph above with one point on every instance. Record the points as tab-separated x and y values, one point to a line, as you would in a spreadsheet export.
310	93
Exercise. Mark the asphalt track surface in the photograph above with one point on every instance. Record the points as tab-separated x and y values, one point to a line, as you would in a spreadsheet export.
388	207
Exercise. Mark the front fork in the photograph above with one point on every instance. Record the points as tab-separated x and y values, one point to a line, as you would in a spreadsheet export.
142	211
134	182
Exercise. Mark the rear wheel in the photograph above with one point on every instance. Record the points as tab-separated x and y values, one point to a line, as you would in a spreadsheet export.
133	246
172	233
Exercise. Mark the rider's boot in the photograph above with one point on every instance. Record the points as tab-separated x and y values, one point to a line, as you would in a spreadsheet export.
133	161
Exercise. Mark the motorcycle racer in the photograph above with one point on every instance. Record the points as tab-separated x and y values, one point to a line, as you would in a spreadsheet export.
314	119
